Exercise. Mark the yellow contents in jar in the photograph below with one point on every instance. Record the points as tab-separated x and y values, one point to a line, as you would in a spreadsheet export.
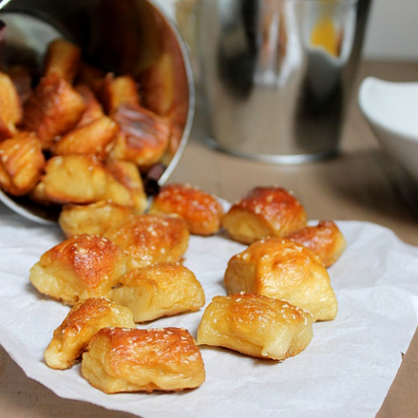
325	34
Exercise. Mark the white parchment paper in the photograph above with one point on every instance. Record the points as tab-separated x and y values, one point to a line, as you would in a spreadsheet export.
346	371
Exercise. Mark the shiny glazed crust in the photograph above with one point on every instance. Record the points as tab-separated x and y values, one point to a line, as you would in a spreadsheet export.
282	269
324	239
79	268
158	290
131	360
82	322
10	108
53	109
62	58
264	212
94	138
127	173
144	136
256	325
118	91
201	211
149	239
21	163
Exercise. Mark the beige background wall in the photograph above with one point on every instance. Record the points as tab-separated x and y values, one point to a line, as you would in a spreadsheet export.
393	30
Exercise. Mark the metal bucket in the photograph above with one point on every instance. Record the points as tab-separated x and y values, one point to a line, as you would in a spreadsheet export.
277	74
122	37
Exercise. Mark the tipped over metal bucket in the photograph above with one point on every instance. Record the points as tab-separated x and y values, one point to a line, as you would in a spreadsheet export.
121	37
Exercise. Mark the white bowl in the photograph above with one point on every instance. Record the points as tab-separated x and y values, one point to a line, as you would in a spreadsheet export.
391	108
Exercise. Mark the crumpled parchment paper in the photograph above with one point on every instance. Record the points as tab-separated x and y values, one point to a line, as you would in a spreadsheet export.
346	370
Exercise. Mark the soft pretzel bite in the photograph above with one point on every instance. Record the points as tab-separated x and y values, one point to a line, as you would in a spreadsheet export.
324	239
78	268
150	239
118	91
81	323
21	163
94	219
10	107
282	269
159	85
127	173
201	211
62	58
256	325
82	179
53	109
93	109
131	360
164	94
264	212
143	137
162	289
94	138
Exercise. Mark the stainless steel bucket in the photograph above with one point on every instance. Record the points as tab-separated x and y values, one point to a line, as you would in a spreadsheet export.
277	74
123	37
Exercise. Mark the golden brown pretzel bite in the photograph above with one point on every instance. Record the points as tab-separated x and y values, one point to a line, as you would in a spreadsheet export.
324	239
81	323
62	58
131	360
82	179
118	91
95	138
21	163
150	239
143	137
162	289
10	107
282	269
201	211
264	212
79	268
127	173
53	109
94	219
256	325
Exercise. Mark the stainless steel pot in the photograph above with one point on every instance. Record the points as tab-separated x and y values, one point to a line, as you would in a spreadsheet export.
124	36
277	74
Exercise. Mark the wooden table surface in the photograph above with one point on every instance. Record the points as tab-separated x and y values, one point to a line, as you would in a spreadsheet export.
359	184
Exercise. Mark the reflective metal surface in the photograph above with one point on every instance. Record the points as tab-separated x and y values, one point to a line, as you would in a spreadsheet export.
123	37
277	74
